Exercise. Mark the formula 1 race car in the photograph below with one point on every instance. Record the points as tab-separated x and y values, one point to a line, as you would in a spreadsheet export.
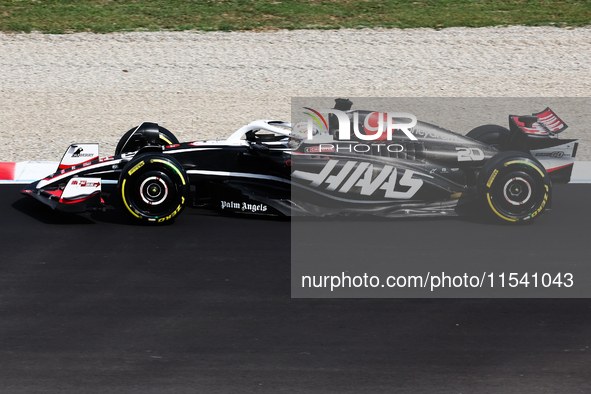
320	168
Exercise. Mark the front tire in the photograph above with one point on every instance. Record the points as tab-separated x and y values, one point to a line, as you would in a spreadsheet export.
153	188
514	187
135	139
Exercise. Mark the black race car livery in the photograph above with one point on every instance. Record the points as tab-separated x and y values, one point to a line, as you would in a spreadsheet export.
273	168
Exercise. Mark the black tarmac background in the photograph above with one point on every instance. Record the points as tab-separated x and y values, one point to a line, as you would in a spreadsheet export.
92	304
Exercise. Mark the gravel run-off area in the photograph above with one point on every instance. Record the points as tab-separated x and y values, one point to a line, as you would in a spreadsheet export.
61	89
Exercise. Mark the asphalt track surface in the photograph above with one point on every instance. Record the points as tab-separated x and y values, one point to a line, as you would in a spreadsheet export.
94	304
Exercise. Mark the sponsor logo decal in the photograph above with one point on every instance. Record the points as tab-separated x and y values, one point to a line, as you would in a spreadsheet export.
253	207
433	134
230	205
492	178
136	167
555	154
85	183
320	148
361	174
177	210
78	153
243	206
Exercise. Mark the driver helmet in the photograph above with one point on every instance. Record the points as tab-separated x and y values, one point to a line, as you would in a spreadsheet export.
301	128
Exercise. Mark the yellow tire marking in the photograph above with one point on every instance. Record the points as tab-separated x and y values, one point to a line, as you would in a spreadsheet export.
136	167
125	201
525	163
171	166
541	206
497	212
162	137
492	178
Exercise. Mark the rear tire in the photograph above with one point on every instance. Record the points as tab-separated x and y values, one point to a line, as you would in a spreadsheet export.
493	135
514	187
165	137
153	188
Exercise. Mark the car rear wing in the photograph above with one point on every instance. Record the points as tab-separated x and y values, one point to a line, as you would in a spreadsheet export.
537	135
534	131
545	123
